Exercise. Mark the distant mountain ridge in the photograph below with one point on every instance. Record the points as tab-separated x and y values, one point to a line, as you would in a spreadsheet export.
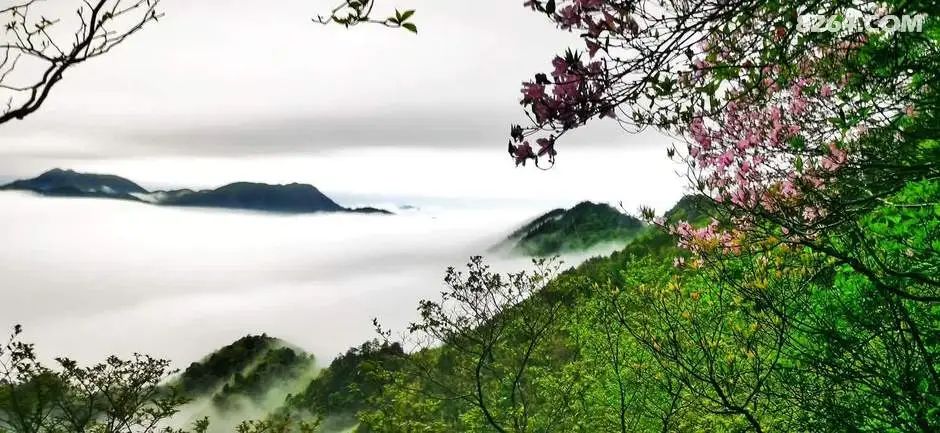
580	228
58	182
291	198
294	197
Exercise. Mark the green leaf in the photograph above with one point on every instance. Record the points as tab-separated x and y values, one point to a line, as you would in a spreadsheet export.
410	27
407	14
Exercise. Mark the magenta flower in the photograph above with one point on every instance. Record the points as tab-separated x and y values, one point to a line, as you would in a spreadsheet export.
522	153
532	92
547	146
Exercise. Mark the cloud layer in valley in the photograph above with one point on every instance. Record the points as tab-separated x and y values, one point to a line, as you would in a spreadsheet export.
90	277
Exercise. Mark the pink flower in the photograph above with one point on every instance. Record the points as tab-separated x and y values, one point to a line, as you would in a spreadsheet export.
561	67
836	159
569	17
810	214
593	47
788	189
522	153
532	92
546	146
725	159
798	105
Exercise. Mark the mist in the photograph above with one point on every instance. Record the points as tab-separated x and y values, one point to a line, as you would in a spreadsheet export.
88	278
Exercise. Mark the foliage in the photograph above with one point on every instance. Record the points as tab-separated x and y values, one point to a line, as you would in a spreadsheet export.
278	368
211	373
252	369
355	12
116	396
577	229
346	385
809	301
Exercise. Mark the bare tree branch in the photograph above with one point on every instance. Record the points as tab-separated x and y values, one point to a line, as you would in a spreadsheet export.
36	51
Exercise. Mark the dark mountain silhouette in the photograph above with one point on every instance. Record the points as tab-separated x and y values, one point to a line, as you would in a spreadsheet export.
68	183
257	196
292	198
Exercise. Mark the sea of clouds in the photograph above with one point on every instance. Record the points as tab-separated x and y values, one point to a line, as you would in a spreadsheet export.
88	278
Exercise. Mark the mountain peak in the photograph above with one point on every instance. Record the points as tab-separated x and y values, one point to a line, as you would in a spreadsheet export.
59	182
253	367
293	198
583	226
56	171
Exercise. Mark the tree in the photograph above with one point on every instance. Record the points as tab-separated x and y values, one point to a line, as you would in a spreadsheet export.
484	353
116	396
36	51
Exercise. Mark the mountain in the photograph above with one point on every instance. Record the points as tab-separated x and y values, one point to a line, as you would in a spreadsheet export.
255	369
369	210
292	198
385	390
280	380
295	198
695	209
577	229
68	183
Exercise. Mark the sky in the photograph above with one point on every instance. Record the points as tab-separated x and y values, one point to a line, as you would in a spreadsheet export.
229	90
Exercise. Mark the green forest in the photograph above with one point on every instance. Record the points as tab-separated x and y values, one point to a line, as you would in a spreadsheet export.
795	289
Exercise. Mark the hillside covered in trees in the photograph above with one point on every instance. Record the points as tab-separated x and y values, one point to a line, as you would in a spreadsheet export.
796	289
580	228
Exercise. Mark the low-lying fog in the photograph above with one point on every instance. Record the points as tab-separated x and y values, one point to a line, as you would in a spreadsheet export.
88	278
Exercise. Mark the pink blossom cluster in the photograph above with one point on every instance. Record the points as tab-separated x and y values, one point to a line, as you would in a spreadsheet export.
594	19
571	97
707	239
575	91
523	152
759	157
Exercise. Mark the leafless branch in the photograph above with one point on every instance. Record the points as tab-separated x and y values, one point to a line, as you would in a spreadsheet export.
36	51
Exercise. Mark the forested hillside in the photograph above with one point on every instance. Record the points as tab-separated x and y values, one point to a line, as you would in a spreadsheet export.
795	289
584	226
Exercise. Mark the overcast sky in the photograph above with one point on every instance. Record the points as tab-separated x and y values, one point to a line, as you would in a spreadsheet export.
226	90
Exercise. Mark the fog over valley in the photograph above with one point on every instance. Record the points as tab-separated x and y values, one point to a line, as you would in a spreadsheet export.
92	277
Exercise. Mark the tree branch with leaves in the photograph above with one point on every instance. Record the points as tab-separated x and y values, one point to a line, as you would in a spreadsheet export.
354	12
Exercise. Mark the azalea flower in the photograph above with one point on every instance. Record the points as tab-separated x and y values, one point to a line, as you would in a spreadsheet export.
522	153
